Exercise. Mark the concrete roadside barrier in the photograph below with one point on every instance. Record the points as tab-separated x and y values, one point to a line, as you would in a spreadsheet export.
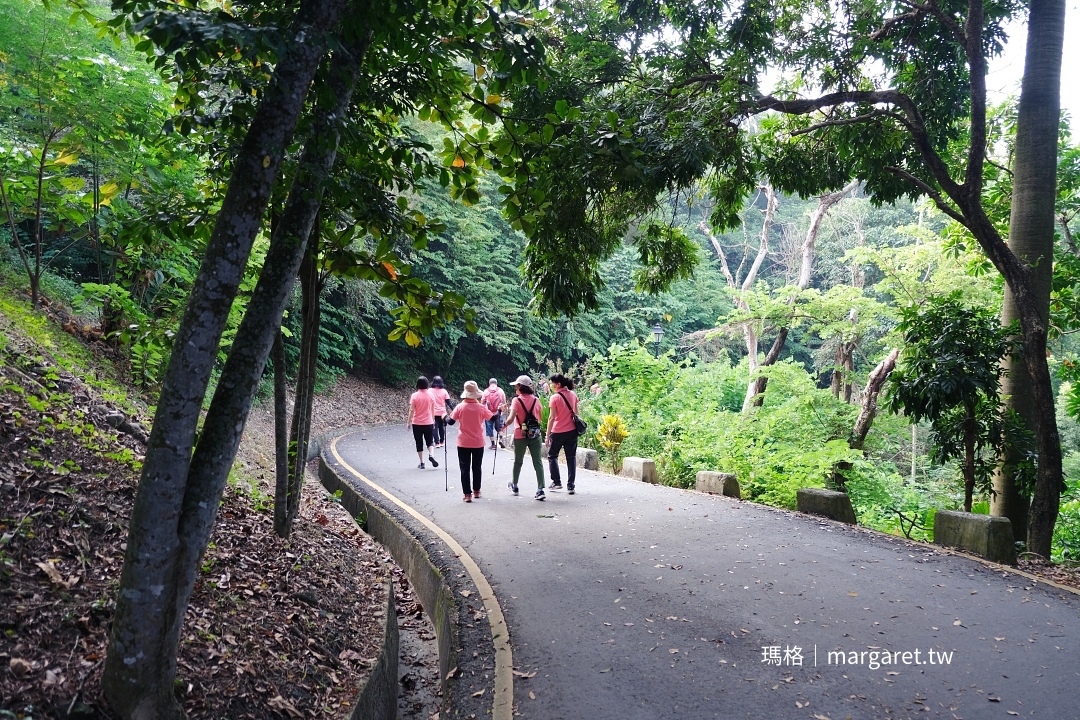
983	535
588	459
827	503
719	483
643	469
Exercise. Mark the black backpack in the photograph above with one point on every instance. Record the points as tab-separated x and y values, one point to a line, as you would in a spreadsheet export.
532	425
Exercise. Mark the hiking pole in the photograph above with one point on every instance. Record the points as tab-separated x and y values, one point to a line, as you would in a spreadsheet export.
446	468
498	440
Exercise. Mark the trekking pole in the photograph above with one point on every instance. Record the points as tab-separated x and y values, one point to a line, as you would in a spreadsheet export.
446	468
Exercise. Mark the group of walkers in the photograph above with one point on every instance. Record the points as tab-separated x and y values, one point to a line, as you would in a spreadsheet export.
481	424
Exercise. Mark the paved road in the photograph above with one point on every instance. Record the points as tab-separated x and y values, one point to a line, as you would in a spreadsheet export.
636	601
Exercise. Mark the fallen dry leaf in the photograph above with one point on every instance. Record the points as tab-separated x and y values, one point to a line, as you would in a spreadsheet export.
19	667
479	693
49	569
280	703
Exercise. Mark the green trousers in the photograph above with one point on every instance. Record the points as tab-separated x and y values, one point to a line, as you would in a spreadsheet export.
535	448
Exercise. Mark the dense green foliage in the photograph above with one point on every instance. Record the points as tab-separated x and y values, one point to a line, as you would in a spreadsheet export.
686	415
132	169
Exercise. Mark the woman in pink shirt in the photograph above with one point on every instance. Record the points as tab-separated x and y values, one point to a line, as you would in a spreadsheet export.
561	433
526	403
422	421
470	416
440	395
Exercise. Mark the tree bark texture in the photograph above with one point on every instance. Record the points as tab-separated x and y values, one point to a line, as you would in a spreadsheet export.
749	332
300	435
844	360
163	537
874	382
281	437
223	427
970	431
1031	239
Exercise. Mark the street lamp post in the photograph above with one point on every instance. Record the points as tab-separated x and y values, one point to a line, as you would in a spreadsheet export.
657	335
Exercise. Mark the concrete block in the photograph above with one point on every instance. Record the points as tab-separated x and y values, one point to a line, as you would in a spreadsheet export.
588	459
983	535
828	503
719	483
643	469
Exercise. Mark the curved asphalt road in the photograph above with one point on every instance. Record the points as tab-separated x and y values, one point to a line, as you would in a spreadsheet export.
636	601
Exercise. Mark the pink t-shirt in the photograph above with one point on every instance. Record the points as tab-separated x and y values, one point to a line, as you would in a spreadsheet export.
519	407
470	416
440	396
559	417
423	407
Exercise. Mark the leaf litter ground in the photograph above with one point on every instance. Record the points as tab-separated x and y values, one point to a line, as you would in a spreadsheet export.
281	629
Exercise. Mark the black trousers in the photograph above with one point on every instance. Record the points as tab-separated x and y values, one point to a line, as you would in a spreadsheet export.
422	433
470	458
566	441
440	430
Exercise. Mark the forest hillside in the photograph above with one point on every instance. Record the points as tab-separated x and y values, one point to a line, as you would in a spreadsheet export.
72	440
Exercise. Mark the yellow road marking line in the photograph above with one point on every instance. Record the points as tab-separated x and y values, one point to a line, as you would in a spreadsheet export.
500	638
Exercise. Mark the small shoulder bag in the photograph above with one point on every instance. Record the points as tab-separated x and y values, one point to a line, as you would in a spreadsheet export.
579	424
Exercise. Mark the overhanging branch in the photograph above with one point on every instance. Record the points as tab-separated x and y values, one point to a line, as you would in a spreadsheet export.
931	193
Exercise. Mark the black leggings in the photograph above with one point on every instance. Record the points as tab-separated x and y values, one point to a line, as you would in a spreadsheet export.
440	429
566	441
475	458
422	433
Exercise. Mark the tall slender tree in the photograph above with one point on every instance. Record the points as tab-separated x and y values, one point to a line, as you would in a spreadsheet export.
1031	239
170	524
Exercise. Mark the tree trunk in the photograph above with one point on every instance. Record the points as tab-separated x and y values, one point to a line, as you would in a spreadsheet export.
844	367
281	438
874	382
836	387
749	332
1031	238
774	354
173	512
969	456
849	369
300	435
